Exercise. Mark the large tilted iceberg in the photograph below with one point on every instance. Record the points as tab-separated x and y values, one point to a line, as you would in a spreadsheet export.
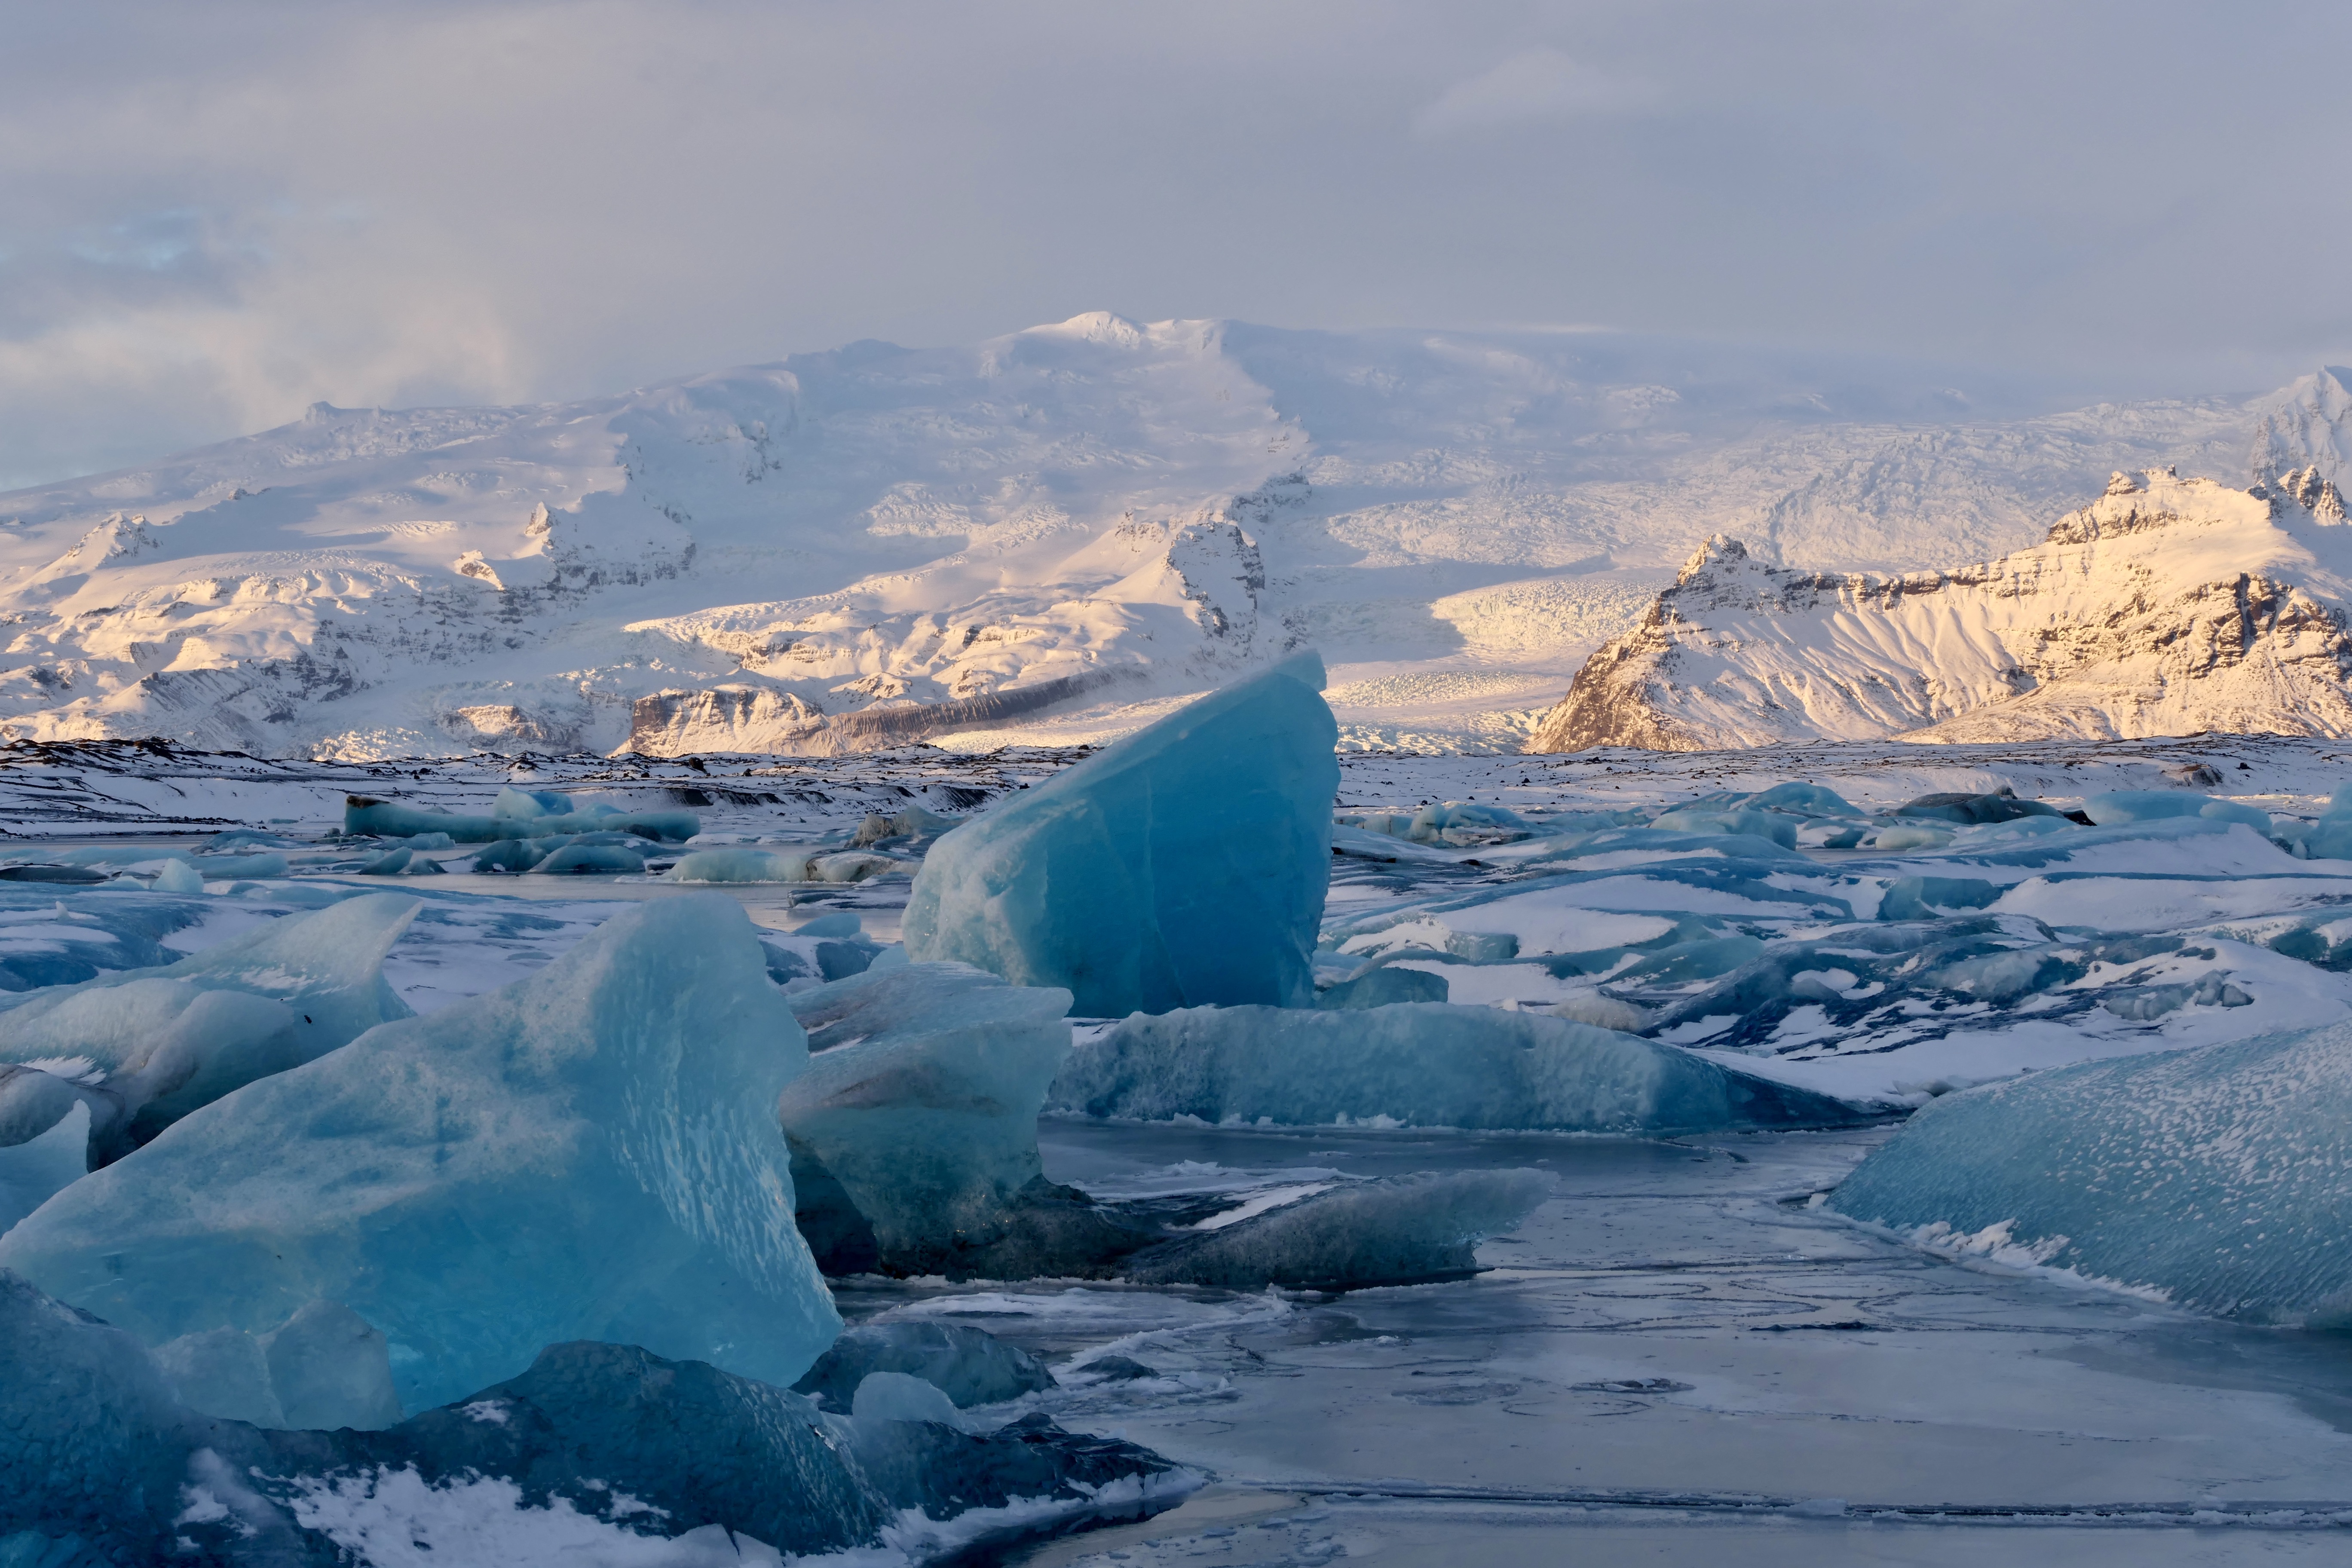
1185	865
143	1048
590	1152
914	1130
2220	1176
1419	1063
596	1453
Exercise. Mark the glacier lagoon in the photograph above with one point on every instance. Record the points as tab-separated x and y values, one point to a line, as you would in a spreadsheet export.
1678	1355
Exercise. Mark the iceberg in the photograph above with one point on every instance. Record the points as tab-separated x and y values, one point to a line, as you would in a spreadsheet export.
1774	826
143	1049
589	1153
919	1110
365	815
2215	1176
741	865
1418	1064
1184	865
1963	810
589	860
1395	1230
967	1366
2134	805
178	877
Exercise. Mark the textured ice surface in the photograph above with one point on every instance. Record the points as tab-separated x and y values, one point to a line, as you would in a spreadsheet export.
969	1366
178	877
898	1396
920	1101
1422	1065
741	865
144	1047
585	859
2219	1177
589	1153
1186	864
1384	1232
2155	804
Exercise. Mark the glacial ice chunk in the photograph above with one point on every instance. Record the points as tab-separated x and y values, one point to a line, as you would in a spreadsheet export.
920	1103
43	1163
143	1048
178	877
2130	806
587	1152
321	1369
969	1366
365	814
897	1396
1779	828
2216	1175
1963	810
1804	799
1185	864
590	859
741	865
1391	1231
530	802
1420	1064
1383	986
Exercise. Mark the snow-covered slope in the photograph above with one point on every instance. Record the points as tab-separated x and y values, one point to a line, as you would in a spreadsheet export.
1052	534
2167	606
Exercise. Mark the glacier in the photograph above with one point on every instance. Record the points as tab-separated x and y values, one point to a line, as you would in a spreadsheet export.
589	1153
1184	865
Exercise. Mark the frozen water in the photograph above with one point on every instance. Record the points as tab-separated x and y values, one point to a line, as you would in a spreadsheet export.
1421	1065
178	877
587	1153
529	803
36	1170
1964	809
921	1102
2217	1178
1186	864
968	1365
740	866
1390	1231
1383	986
1779	828
583	859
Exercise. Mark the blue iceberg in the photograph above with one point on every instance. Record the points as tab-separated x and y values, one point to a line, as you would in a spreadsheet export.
2218	1177
590	1152
1185	865
365	814
1417	1063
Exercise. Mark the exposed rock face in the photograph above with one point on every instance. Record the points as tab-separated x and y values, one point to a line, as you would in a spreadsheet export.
2167	607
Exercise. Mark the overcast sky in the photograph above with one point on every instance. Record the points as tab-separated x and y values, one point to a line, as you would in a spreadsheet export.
213	214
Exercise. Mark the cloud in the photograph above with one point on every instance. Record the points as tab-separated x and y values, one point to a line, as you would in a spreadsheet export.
1535	85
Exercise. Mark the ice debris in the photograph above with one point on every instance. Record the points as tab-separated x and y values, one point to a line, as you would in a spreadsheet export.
365	814
2217	1177
587	1152
143	1049
628	1448
1185	864
2155	804
1421	1065
178	877
782	865
1393	1231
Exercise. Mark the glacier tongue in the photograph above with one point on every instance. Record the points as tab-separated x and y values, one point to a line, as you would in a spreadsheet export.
1185	864
587	1152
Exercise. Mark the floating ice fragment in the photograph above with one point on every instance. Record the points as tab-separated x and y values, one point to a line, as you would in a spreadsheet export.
1963	810
590	859
2219	1176
366	814
1391	1231
968	1365
587	1152
1422	1065
1770	825
1383	987
1183	864
897	1396
740	866
2131	806
178	877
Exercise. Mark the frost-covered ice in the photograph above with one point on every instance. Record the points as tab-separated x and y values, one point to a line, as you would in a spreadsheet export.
2220	1178
968	1365
588	1153
1416	1065
1184	865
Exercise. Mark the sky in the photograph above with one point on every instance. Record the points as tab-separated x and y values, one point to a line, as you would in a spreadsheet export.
214	213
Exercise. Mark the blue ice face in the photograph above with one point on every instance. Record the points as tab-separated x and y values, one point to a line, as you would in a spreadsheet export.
2216	1176
1185	865
588	1153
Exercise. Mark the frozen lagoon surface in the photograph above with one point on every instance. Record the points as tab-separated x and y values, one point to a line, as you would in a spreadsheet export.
1677	1358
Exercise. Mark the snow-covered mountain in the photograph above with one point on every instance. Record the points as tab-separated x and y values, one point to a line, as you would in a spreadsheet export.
2167	606
1052	535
